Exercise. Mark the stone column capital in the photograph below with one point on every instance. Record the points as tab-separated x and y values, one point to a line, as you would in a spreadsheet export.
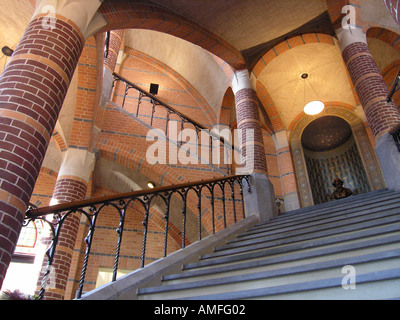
82	13
78	163
349	36
241	80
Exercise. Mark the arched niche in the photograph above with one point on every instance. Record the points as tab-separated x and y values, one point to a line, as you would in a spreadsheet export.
367	153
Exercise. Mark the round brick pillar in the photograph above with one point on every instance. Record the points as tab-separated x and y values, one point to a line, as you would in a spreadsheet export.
368	81
249	125
382	116
110	62
114	47
261	200
32	90
71	185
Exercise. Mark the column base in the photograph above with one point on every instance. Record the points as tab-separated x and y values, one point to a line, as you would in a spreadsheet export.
261	200
389	159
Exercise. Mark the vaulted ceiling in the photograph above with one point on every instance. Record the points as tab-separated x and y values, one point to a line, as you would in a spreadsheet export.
253	27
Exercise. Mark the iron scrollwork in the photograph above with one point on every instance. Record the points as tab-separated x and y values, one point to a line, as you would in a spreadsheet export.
56	216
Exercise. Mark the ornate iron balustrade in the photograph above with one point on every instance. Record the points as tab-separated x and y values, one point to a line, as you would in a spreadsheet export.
183	119
396	136
56	215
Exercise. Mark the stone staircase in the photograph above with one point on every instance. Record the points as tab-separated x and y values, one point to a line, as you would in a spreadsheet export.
320	252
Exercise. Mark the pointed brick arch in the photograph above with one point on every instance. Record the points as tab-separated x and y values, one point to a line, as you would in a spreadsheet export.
228	102
121	155
389	75
385	35
143	15
290	44
262	92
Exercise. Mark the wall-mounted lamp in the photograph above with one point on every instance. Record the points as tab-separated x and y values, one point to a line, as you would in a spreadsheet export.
151	185
154	88
313	107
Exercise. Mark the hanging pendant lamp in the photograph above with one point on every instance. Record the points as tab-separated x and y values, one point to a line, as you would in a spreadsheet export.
313	107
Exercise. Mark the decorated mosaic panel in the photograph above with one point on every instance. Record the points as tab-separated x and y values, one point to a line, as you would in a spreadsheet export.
344	163
366	152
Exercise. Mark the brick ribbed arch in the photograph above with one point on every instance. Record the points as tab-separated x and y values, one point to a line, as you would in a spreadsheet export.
288	44
389	75
120	154
228	102
275	52
385	35
143	15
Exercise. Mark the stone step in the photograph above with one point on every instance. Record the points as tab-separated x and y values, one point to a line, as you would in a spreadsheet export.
326	210
300	255
314	232
318	220
365	196
283	276
250	264
275	248
319	215
371	286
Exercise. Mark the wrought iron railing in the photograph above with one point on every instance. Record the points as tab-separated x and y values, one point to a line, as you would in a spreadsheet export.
214	190
396	136
169	114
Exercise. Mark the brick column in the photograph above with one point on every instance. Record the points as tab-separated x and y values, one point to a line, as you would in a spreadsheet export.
71	185
113	50
370	86
110	62
32	90
261	201
249	125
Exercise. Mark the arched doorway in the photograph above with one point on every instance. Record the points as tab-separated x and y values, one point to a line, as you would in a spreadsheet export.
360	143
330	152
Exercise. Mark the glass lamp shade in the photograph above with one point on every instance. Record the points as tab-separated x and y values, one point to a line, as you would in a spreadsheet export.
151	185
314	107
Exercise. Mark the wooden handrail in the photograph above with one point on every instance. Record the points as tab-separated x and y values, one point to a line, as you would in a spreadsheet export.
38	212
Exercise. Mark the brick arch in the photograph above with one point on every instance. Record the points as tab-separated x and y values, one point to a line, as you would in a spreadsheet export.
367	153
388	36
59	141
329	104
265	98
288	44
228	102
270	107
389	75
121	154
143	15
